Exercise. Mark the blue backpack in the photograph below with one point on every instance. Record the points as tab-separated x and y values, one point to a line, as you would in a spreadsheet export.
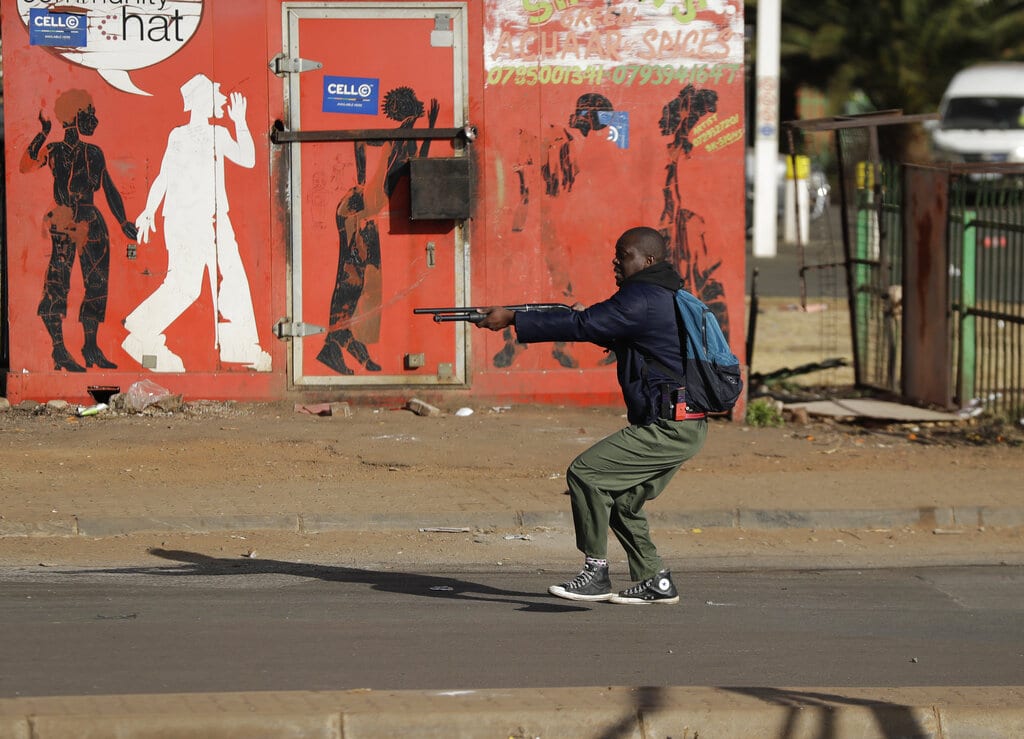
711	372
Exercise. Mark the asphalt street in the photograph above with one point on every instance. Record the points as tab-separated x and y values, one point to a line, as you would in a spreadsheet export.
196	624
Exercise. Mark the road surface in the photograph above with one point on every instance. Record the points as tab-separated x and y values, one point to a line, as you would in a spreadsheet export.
196	624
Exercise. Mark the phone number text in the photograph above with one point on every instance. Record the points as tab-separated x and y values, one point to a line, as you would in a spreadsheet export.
625	75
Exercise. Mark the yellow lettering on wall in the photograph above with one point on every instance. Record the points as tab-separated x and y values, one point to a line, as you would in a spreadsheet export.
538	11
541	11
703	125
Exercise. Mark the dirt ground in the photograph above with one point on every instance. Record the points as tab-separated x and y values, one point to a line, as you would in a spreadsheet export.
216	459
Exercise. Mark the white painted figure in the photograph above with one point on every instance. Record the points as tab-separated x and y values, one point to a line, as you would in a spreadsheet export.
198	235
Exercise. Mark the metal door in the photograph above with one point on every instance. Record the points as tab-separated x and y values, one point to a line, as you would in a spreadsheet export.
370	86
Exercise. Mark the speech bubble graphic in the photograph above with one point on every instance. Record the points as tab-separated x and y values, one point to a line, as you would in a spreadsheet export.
123	36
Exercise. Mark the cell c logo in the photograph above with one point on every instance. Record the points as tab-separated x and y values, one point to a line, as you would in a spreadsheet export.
613	134
123	36
365	90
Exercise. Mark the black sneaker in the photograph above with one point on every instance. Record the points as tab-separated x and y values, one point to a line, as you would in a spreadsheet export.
591	584
658	589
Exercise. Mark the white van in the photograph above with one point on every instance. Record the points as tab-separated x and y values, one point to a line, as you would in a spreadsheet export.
981	116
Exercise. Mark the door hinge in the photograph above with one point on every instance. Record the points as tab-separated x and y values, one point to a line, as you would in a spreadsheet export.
442	36
286	329
282	65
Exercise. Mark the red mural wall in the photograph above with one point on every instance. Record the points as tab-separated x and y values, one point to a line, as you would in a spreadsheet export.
182	208
602	117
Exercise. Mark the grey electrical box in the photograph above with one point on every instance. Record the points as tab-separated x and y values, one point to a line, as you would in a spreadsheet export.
441	188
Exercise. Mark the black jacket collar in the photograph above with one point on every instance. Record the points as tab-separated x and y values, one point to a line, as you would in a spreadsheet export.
661	273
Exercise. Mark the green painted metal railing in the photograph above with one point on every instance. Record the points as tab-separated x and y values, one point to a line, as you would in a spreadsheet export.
985	254
986	250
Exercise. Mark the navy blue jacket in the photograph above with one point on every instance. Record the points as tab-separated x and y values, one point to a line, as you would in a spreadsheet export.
642	312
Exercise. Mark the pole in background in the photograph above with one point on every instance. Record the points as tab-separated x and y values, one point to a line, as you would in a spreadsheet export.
796	211
766	134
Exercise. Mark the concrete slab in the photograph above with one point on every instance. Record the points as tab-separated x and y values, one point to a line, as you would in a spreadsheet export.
874	409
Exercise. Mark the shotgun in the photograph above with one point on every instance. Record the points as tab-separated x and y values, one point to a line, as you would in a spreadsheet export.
473	314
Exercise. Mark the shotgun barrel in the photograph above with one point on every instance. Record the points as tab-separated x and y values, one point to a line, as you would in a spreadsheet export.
474	314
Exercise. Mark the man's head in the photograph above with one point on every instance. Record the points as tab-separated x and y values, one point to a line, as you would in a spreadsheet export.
203	95
636	250
401	104
74	108
681	113
585	118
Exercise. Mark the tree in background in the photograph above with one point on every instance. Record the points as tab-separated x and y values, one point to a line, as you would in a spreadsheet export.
896	53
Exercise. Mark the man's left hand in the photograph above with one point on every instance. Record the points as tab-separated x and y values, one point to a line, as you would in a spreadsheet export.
497	318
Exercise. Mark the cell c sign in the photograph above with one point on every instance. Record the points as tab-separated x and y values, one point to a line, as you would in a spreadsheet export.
113	37
351	95
56	29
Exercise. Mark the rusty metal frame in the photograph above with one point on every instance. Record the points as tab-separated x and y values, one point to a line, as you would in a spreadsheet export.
835	124
922	244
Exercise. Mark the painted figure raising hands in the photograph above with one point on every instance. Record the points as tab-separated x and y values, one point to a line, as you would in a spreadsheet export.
76	226
357	300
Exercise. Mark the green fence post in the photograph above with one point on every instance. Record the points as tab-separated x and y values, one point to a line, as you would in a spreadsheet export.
968	337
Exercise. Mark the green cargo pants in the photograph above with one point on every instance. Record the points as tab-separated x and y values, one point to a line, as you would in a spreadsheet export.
610	482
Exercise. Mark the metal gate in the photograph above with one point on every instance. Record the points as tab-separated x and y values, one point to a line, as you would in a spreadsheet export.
934	266
986	276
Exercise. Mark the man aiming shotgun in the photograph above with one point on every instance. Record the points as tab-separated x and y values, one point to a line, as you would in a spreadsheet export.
611	481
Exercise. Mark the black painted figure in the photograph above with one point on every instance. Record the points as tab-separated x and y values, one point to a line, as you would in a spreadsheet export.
76	226
683	229
357	286
560	168
559	171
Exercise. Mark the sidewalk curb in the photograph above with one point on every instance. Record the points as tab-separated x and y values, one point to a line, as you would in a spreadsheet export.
741	712
311	523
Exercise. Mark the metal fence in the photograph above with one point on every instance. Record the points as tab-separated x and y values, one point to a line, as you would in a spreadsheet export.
933	258
986	288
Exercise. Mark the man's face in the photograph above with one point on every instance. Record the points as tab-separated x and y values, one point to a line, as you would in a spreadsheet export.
628	261
669	118
583	121
218	101
87	121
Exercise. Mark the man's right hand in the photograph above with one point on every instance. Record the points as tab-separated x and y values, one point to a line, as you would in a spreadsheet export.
145	224
236	108
496	318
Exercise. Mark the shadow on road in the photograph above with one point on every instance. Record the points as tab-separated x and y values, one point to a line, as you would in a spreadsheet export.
648	699
428	586
893	720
